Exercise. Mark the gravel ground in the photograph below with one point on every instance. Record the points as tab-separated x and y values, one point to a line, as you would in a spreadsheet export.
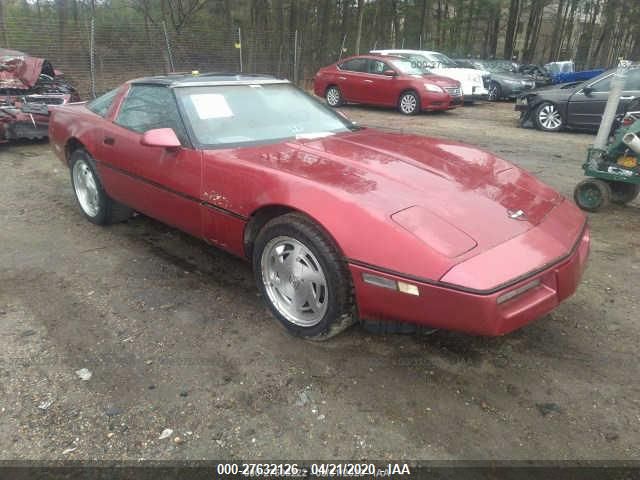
176	337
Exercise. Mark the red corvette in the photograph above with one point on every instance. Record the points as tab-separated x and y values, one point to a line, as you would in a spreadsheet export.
340	222
386	81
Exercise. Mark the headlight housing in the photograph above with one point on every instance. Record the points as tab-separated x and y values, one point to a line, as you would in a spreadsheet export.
430	87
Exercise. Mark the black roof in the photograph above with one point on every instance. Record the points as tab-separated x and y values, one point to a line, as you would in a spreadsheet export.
212	78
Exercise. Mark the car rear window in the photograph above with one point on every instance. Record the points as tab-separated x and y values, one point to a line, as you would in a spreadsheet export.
101	104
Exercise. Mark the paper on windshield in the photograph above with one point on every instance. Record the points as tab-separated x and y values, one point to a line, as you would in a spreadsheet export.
211	105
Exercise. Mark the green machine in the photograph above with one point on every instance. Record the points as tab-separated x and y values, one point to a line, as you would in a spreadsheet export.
613	165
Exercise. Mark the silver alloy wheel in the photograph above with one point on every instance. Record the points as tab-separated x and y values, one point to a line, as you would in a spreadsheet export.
408	103
549	117
333	96
493	92
86	188
294	281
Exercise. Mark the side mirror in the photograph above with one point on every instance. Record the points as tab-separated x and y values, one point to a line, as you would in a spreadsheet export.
389	73
160	137
587	90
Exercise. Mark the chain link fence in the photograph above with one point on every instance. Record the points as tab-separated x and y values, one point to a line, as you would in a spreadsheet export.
97	56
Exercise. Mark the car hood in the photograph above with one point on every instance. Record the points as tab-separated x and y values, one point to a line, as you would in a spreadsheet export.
511	76
20	71
439	80
461	74
474	191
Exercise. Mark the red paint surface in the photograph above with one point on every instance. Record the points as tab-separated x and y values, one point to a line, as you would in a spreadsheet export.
351	184
374	89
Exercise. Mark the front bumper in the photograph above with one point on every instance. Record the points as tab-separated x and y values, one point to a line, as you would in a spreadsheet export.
432	101
441	307
474	92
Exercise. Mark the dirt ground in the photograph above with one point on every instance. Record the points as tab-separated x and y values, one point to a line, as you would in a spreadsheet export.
176	337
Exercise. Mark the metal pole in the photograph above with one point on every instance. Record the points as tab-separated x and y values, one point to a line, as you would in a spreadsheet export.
92	62
166	39
295	58
403	42
617	85
344	39
240	43
420	43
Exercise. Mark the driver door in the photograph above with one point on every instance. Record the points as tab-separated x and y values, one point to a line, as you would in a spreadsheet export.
162	183
585	109
378	88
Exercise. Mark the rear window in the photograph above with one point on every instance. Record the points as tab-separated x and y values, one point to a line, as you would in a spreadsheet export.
101	104
355	65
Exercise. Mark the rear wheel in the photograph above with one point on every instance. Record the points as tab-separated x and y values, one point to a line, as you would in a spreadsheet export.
94	202
548	117
333	95
623	192
592	194
303	277
409	103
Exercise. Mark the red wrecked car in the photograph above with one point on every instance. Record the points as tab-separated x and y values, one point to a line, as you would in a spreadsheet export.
387	81
340	222
27	86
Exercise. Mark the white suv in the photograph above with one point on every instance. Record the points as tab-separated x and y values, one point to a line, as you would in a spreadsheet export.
471	79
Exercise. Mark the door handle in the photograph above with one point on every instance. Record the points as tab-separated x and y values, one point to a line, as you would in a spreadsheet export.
627	98
368	81
342	78
109	140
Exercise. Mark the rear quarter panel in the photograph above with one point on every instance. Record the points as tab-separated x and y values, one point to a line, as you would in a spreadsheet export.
73	122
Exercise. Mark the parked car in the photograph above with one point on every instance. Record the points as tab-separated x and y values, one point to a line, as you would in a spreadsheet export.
503	82
386	81
337	220
578	105
27	85
471	79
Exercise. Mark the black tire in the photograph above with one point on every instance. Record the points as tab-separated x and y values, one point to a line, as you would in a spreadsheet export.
623	192
592	194
333	96
495	92
409	103
548	110
340	311
109	211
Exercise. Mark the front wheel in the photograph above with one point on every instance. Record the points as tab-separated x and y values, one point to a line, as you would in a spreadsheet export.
623	192
409	103
303	278
592	194
94	202
495	92
333	95
548	117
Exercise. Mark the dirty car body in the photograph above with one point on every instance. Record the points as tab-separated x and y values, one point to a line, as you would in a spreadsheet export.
422	230
27	86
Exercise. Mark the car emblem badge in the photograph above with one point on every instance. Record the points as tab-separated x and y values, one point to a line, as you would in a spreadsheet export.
517	215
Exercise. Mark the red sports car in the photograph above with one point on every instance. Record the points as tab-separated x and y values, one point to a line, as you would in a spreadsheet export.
387	81
340	222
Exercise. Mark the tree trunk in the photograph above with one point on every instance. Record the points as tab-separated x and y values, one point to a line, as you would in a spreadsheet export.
359	31
512	23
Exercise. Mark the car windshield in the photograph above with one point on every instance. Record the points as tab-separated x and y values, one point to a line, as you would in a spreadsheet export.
407	67
232	115
442	60
495	67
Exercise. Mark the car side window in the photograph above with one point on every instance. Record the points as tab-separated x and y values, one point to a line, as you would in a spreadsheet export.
355	65
101	104
377	67
602	85
151	106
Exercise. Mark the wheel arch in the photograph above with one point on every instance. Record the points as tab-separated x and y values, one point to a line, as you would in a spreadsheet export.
71	146
265	213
